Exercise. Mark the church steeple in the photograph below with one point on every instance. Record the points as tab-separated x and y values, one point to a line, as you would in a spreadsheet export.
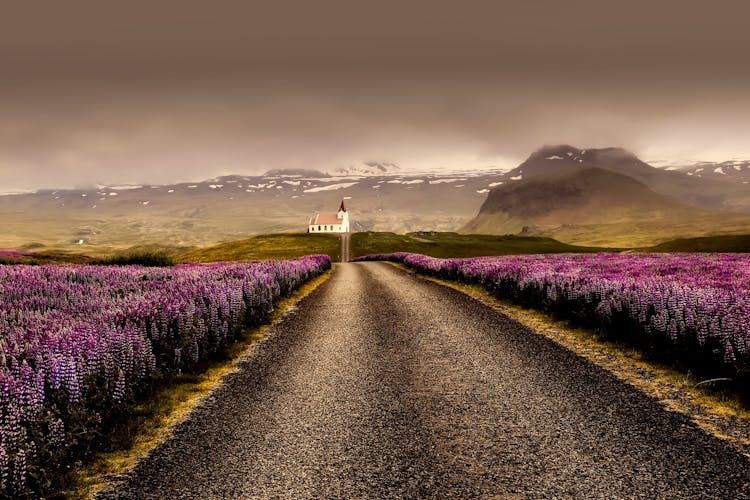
342	208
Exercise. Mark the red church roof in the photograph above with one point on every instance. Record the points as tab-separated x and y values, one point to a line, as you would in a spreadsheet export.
326	218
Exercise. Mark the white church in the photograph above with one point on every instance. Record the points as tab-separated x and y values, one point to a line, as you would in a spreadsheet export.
330	222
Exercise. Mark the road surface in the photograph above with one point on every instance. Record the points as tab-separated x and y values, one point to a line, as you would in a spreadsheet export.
384	385
345	255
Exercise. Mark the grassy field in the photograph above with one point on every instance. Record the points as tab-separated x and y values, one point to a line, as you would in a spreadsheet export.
728	243
46	257
438	244
266	246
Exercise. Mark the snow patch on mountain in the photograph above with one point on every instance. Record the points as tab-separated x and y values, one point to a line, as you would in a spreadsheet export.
126	187
331	187
730	170
367	169
442	181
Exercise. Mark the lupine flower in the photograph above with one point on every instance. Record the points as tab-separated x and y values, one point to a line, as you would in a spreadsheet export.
88	336
686	299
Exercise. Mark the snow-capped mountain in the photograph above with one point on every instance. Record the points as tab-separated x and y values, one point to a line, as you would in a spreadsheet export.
381	195
732	170
609	196
367	168
235	206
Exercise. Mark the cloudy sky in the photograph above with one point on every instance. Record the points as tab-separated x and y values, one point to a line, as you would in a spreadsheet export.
141	92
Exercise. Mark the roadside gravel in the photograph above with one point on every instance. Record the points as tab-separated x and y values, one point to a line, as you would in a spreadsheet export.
381	384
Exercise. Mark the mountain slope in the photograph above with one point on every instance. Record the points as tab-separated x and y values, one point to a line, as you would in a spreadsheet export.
236	207
705	193
733	171
594	206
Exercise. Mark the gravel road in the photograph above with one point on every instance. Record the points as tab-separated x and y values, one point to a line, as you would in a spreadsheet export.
345	255
381	384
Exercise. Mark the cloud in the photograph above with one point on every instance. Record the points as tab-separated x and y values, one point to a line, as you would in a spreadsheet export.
93	93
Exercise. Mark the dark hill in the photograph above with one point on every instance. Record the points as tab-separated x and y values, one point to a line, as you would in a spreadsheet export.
704	193
570	190
593	206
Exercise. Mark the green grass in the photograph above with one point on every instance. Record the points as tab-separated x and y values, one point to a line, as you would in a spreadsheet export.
444	245
436	244
267	246
47	257
726	243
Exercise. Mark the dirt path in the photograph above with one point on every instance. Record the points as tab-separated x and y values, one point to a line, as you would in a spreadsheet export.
381	384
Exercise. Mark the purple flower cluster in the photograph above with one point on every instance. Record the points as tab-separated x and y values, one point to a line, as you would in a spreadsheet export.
695	306
77	342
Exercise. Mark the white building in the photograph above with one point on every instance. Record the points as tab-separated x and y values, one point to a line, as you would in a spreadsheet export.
330	222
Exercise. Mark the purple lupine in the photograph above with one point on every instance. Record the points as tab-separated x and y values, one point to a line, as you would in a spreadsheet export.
687	299
89	335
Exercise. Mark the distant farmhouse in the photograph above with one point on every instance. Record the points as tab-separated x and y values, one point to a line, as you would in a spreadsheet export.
330	222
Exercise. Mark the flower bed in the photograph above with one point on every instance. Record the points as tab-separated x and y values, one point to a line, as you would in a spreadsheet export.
78	344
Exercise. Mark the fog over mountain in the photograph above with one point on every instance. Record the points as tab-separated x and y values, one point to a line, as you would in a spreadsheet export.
148	93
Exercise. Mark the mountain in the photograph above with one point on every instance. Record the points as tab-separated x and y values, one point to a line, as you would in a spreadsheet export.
707	193
734	171
586	194
367	168
295	172
234	207
593	196
550	159
604	197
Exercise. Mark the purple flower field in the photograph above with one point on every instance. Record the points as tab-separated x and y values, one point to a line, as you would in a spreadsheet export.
78	343
693	309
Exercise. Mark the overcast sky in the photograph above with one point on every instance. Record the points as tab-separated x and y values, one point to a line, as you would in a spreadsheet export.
145	92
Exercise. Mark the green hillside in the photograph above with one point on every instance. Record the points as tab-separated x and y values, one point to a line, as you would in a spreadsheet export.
442	244
436	244
725	243
267	246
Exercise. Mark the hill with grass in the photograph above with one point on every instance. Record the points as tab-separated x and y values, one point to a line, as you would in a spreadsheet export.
710	193
266	246
735	243
450	244
605	197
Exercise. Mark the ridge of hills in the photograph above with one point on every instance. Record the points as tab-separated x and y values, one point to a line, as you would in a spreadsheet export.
234	207
605	197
